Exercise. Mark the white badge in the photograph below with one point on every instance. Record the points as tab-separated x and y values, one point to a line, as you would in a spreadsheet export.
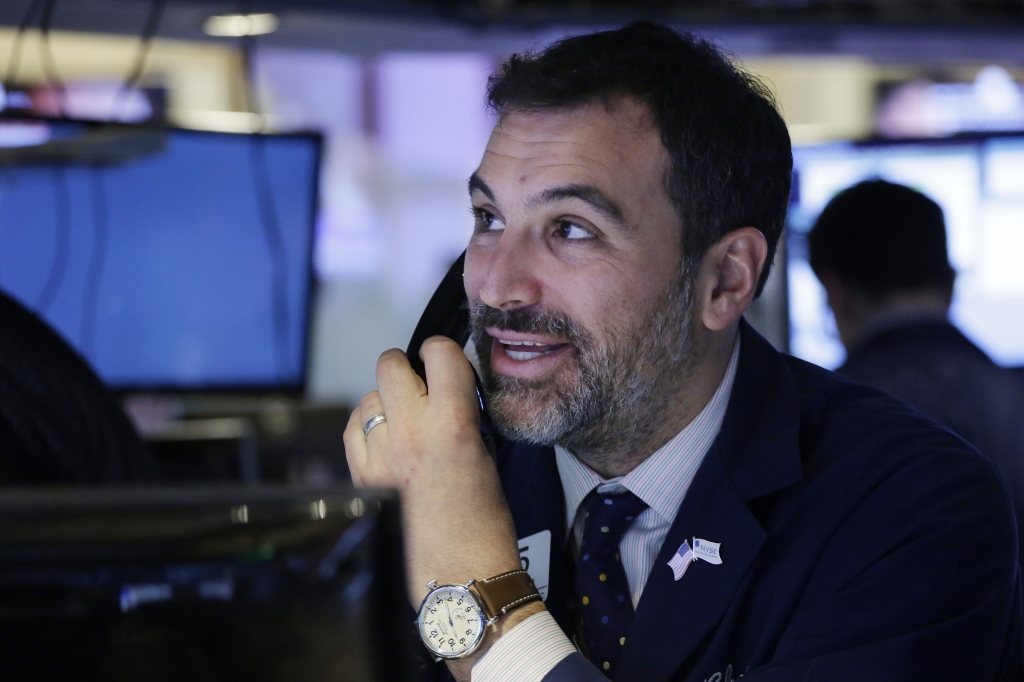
707	551
535	556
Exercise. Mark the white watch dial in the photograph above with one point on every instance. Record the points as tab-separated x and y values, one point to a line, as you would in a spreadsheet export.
451	622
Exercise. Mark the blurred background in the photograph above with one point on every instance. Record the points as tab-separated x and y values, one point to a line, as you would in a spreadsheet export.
235	276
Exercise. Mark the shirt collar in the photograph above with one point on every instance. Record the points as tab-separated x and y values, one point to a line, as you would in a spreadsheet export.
662	479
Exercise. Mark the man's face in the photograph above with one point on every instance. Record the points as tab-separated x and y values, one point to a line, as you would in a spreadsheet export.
580	308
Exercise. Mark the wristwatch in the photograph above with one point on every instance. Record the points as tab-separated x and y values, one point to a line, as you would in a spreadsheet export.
453	619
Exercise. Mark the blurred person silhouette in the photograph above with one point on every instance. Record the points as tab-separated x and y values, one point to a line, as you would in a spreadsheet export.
58	422
879	250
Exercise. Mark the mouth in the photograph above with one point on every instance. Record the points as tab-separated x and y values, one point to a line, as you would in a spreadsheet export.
525	355
528	350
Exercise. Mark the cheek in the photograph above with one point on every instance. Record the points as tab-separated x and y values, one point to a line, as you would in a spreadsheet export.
603	299
474	273
624	295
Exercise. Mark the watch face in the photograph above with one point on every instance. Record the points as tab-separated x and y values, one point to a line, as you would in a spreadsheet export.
451	621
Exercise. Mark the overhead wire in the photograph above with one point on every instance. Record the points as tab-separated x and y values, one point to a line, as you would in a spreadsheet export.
97	189
97	261
44	10
267	207
3	191
53	78
62	240
59	182
14	60
131	79
61	190
276	248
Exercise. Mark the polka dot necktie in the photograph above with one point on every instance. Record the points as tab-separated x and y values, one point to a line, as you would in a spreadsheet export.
602	592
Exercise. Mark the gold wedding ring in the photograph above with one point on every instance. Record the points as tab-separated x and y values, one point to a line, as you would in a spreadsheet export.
375	420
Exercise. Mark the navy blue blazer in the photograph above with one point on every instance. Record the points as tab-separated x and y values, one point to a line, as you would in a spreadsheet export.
934	368
859	541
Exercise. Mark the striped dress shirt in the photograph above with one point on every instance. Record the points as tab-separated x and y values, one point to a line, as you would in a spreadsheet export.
530	650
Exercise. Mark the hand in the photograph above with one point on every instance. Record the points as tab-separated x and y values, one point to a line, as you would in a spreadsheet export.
457	524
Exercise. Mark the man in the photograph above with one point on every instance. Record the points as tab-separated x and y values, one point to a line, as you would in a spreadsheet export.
627	204
879	250
58	423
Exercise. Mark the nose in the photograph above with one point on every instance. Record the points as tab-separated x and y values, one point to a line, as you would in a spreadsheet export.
504	276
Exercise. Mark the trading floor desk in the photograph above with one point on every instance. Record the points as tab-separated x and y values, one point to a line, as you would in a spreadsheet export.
219	583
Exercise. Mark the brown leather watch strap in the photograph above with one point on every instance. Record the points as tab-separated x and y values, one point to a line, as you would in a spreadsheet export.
504	592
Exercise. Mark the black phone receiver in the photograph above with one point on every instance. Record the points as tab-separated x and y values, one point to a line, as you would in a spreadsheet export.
447	314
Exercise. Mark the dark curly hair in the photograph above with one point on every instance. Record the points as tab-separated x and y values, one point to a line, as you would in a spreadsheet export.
731	161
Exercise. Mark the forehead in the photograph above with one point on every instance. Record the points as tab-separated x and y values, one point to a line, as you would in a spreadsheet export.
606	144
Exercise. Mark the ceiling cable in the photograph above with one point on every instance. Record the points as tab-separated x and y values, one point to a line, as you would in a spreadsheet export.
14	61
53	78
149	29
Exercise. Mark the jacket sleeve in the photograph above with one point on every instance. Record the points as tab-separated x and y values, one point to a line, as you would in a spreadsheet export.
575	668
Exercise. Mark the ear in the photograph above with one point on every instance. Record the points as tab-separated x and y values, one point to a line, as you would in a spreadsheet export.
837	293
728	277
851	308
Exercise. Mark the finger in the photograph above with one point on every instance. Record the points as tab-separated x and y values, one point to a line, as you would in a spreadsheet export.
370	407
355	447
450	376
377	469
399	386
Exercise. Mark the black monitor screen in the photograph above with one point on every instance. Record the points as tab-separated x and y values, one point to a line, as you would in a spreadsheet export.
168	258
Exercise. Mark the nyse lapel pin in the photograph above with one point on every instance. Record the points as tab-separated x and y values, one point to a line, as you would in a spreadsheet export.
707	551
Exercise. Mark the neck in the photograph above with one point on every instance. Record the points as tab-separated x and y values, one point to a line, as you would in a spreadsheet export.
680	402
893	311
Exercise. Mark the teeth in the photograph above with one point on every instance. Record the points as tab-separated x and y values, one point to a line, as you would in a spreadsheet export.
523	354
521	343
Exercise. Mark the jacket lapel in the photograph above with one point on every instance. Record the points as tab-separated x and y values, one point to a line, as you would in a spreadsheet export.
756	452
533	489
673	617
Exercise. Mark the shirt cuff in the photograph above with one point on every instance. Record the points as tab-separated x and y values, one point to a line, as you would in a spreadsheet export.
526	653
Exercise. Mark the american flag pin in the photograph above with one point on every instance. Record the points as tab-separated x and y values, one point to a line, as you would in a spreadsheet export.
681	560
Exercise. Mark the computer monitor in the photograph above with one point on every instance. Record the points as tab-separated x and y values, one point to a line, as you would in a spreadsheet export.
170	259
978	182
262	584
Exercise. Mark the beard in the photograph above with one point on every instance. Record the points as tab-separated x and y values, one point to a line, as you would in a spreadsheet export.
613	395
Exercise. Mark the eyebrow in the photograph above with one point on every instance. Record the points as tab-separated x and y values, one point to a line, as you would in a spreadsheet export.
477	183
585	193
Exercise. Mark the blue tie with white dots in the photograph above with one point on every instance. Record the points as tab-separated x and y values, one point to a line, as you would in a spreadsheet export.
602	591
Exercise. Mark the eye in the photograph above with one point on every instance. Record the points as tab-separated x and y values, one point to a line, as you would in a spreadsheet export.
570	230
486	221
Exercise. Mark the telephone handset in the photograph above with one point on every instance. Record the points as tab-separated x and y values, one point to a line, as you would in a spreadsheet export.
447	314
